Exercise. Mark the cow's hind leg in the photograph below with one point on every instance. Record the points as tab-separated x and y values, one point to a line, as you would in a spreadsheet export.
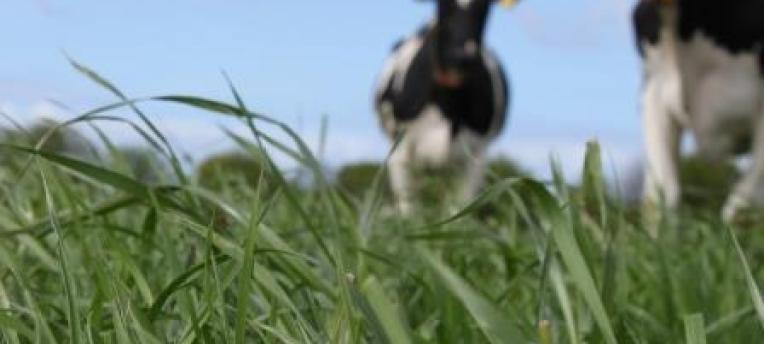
747	190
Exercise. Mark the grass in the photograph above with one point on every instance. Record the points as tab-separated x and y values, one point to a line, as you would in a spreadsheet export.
92	255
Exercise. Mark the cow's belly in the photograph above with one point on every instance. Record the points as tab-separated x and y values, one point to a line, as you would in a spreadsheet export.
722	93
725	109
728	137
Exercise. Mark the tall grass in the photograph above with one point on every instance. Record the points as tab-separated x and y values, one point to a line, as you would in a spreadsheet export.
89	254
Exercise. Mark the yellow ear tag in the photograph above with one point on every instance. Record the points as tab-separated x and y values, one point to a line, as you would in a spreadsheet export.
508	3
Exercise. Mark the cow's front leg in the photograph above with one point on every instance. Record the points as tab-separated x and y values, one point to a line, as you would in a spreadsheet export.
399	170
747	190
472	178
662	138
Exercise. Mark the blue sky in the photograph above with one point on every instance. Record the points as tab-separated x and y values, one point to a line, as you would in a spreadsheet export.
573	67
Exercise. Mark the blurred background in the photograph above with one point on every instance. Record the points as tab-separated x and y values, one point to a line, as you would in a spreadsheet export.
573	66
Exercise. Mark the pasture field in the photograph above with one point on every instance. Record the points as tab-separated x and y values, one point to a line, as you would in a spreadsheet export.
89	253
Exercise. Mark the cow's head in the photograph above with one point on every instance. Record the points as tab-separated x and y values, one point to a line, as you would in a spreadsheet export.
458	35
662	4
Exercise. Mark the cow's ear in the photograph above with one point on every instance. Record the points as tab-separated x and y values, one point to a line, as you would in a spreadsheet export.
508	3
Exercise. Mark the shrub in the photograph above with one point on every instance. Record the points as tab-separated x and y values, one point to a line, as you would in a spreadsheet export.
143	163
231	170
64	140
357	178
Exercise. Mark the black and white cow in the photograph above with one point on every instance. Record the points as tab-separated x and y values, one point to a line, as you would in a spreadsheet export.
703	72
446	94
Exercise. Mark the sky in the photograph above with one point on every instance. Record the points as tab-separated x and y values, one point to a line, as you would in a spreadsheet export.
572	64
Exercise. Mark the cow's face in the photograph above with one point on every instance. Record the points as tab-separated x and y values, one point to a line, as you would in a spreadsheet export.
662	4
459	38
667	9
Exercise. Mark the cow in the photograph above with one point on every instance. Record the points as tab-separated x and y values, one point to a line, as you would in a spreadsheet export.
703	71
442	97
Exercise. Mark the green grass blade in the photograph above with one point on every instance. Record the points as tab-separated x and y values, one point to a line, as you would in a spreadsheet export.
491	321
728	322
204	104
694	328
753	287
70	289
566	242
40	228
555	272
487	196
593	185
270	239
245	275
94	172
42	328
386	312
575	262
236	95
177	284
563	298
92	75
10	323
